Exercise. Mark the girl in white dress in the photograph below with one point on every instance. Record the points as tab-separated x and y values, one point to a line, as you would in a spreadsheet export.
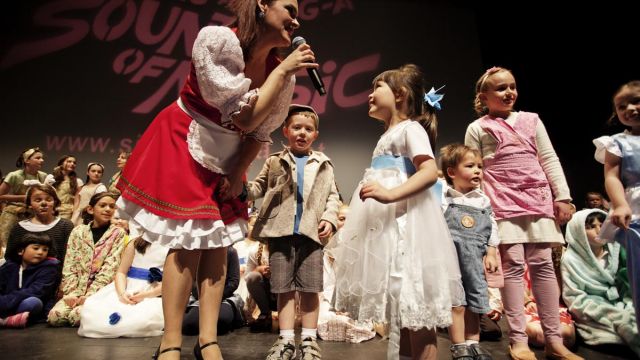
396	262
91	187
131	305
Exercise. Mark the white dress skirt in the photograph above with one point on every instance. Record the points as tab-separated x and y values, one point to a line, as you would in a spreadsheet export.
396	262
105	316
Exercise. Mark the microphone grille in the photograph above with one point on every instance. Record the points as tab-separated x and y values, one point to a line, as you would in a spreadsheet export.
297	41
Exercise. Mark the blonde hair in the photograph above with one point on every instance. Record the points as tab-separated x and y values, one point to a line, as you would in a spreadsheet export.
410	77
481	86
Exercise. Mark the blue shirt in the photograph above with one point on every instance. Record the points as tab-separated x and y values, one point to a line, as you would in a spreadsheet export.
301	161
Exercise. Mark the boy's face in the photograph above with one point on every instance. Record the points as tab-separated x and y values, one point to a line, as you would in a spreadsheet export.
301	132
594	201
592	230
342	216
467	175
34	254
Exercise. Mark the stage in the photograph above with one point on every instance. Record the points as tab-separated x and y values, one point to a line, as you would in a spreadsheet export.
42	342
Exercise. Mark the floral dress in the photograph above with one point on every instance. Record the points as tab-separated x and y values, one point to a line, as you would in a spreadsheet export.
88	267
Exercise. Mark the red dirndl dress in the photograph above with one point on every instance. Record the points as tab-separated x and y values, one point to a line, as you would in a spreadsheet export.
169	189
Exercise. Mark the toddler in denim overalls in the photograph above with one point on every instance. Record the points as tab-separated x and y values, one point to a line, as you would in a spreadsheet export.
474	231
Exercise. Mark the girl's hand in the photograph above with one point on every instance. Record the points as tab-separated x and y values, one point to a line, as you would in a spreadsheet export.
494	315
230	187
81	300
324	229
491	260
621	216
138	296
563	211
300	58
373	190
264	270
125	299
531	306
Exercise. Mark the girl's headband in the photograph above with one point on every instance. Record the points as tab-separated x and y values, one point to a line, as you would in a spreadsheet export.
27	154
94	163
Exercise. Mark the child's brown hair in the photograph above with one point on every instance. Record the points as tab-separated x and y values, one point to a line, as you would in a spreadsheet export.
451	155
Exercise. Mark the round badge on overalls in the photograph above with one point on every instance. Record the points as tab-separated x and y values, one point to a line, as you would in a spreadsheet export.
467	221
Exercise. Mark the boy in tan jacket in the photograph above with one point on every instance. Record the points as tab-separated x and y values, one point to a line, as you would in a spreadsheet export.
298	214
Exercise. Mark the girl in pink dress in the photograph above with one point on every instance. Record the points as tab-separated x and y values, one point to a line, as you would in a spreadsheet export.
181	184
530	198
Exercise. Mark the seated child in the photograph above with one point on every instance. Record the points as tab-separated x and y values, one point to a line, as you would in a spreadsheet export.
600	303
332	325
93	256
131	305
27	281
595	200
231	314
257	278
534	327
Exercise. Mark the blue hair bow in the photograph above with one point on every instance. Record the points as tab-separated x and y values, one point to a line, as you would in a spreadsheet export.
155	274
433	98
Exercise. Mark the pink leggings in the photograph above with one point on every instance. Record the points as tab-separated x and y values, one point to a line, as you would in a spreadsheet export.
543	284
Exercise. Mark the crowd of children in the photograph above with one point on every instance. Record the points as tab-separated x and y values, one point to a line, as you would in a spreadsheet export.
486	243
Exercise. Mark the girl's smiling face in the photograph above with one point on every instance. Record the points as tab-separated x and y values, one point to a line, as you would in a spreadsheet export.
627	106
69	165
102	211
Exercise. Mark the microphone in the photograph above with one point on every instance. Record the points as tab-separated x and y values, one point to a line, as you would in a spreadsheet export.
313	73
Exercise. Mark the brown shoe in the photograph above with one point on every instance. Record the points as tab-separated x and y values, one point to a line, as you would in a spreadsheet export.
523	354
550	354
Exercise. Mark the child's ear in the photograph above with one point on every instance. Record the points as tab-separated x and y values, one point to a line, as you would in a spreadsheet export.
90	210
451	172
401	94
482	97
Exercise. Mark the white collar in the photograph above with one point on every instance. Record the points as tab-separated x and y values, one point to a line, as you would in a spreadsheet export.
33	227
471	194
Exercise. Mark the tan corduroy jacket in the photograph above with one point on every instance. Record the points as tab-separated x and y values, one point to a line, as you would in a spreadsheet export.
277	183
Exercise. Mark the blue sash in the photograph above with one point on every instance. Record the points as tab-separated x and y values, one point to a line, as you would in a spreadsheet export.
138	273
402	163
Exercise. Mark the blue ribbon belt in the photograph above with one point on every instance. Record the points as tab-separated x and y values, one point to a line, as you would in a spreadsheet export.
138	273
402	163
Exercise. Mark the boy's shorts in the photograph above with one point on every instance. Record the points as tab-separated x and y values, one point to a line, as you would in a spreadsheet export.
296	264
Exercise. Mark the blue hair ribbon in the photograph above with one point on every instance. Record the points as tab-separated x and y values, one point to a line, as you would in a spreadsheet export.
433	98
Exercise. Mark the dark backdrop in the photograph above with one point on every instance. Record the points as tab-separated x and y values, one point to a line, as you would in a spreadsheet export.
87	76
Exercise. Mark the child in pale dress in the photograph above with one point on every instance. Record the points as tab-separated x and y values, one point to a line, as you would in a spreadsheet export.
67	184
396	262
620	155
13	188
530	198
91	187
131	305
